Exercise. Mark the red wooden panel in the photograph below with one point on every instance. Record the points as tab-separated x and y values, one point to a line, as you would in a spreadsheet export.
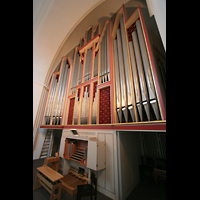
71	111
104	106
94	90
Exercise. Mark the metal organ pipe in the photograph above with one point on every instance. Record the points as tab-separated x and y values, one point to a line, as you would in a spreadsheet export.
94	109
59	99
57	96
147	70
49	102
52	100
122	76
103	59
144	94
76	106
84	108
105	56
88	64
74	79
108	57
129	82
117	82
136	80
95	73
51	94
60	102
63	93
80	72
101	52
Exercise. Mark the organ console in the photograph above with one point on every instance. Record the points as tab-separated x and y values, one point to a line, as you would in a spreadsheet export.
113	78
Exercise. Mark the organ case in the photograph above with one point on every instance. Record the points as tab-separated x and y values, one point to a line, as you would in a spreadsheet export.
113	79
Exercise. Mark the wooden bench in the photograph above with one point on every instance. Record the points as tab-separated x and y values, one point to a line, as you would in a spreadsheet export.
72	179
50	180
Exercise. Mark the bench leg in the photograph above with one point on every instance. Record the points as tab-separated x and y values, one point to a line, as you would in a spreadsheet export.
35	187
56	196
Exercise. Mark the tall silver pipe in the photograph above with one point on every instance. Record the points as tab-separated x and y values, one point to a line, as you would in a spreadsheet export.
108	57
89	64
129	82
59	93
103	59
136	80
63	92
86	65
51	101
76	106
47	113
122	76
95	73
150	84
117	82
94	109
80	72
48	104
105	55
75	70
89	70
84	107
144	94
61	96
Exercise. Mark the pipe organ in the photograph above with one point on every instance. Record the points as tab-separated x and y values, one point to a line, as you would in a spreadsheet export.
113	78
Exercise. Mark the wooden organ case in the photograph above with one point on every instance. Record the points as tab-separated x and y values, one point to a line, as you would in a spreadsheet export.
112	80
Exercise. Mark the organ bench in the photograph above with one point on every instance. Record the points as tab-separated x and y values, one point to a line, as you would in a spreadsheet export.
50	180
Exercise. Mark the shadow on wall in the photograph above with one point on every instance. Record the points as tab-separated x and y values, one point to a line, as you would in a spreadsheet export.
56	142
